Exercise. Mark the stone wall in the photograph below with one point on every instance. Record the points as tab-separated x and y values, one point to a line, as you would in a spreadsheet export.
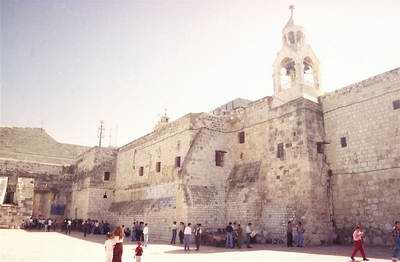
12	216
366	172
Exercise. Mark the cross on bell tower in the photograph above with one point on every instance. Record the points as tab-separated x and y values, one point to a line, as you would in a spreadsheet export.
296	67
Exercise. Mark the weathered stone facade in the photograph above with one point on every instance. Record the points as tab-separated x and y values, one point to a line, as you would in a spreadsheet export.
328	160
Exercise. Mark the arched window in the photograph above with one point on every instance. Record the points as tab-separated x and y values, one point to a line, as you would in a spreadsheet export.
299	37
309	77
288	73
291	38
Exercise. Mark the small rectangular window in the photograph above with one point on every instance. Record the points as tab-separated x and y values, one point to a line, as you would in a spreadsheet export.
320	148
396	104
280	153
141	171
158	167
241	137
343	141
9	198
178	161
106	176
219	158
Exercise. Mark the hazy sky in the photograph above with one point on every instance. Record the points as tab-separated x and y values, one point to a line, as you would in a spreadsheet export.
67	65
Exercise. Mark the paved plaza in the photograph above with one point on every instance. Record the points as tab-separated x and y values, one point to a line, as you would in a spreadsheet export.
21	246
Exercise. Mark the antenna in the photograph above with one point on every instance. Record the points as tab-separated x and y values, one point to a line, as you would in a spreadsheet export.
100	132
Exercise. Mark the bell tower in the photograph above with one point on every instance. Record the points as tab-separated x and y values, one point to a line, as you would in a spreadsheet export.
296	67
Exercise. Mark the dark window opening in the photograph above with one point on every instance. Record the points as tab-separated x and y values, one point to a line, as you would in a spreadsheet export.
280	152
343	141
105	195
241	155
178	161
241	137
9	198
106	176
141	171
396	104
158	167
219	158
320	148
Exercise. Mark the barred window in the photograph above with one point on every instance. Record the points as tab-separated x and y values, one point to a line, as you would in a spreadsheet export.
219	158
241	137
178	161
280	153
141	171
158	167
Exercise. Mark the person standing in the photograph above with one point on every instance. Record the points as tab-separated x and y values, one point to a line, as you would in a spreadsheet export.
134	231
174	228
138	252
396	241
109	246
300	234
181	234
239	236
146	235
248	234
118	248
49	224
197	236
84	227
187	235
358	236
289	234
69	225
229	236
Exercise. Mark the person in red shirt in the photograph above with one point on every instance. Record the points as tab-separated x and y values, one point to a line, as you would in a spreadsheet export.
138	252
358	236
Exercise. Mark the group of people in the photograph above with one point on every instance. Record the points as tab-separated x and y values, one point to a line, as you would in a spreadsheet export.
114	241
95	227
298	238
185	234
358	237
40	223
234	235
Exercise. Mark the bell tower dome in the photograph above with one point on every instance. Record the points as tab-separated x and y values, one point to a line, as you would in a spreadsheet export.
296	67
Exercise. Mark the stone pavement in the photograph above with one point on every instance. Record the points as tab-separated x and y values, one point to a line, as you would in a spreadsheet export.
21	246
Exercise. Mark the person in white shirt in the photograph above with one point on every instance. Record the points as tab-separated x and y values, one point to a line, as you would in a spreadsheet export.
187	235
248	234
174	229
109	247
146	235
49	224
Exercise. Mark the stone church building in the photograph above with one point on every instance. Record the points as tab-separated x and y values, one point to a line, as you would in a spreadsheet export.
330	160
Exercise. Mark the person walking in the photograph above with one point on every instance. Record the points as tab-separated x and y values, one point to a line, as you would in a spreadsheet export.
289	234
138	252
396	241
229	236
118	248
248	234
197	236
181	234
174	229
146	234
187	236
300	234
358	236
109	246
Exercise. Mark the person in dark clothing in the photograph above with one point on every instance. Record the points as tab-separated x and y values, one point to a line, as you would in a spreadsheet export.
229	236
181	234
197	236
289	234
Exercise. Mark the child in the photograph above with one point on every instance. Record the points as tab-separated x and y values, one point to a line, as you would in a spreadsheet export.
138	252
109	246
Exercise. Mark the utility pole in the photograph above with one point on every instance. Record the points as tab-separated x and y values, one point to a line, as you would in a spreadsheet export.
100	132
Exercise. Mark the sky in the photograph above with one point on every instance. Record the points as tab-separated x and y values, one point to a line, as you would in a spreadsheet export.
67	65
